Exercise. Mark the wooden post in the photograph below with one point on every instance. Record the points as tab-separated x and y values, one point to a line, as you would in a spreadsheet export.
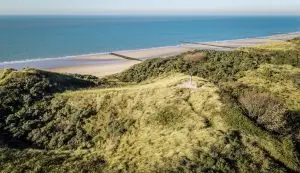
191	79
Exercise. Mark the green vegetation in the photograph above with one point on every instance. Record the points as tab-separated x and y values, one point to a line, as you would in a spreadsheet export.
216	66
282	81
244	115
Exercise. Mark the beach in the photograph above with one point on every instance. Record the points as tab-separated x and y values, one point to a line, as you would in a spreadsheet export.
120	64
103	64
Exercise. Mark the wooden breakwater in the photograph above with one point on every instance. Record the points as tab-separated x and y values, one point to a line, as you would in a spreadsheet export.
206	44
124	56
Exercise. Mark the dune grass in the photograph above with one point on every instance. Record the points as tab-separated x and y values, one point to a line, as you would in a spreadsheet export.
215	66
33	160
283	81
278	46
148	127
143	120
151	125
280	149
279	82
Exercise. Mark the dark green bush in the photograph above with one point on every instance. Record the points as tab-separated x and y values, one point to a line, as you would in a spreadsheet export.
217	66
31	118
21	89
51	125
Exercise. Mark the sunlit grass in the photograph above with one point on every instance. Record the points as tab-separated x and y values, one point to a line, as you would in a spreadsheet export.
163	122
146	121
281	80
278	46
48	161
280	149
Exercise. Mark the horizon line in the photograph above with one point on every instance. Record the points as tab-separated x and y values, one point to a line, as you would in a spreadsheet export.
150	14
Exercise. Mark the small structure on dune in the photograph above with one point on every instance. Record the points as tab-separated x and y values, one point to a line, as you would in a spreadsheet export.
193	57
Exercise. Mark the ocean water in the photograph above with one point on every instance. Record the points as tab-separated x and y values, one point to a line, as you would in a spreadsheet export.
38	37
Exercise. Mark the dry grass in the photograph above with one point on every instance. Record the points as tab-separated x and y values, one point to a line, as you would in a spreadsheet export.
195	56
163	122
278	46
265	110
1	74
280	80
157	126
4	73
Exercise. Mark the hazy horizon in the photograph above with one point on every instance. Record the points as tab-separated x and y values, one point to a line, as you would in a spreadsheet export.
155	7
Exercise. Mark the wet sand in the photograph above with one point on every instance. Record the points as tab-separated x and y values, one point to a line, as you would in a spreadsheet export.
97	70
106	64
118	66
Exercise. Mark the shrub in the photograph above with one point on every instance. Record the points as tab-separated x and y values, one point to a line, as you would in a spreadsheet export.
152	127
195	57
21	89
265	110
217	66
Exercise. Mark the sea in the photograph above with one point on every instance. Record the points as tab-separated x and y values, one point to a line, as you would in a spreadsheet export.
34	38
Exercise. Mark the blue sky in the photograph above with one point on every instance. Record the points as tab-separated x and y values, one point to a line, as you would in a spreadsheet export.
149	6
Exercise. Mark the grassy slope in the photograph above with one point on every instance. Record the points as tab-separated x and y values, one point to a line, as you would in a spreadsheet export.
216	66
224	68
156	126
280	80
277	81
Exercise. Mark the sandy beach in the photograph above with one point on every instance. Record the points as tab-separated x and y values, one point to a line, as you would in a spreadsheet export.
97	70
103	64
120	64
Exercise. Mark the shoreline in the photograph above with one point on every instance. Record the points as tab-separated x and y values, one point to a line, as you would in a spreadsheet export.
79	56
98	63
